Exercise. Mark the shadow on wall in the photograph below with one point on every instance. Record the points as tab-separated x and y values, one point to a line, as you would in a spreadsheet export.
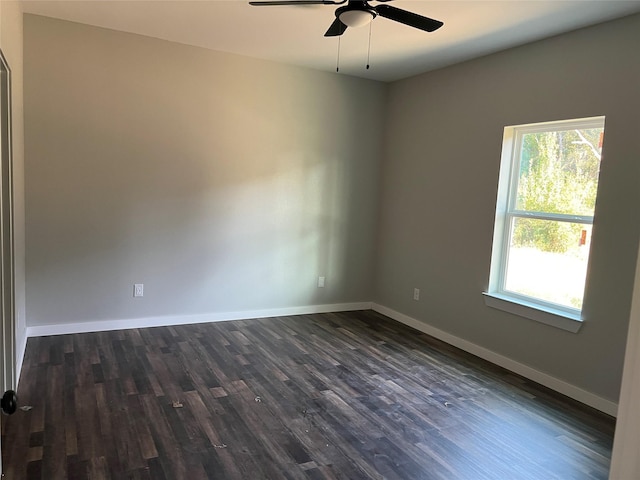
208	245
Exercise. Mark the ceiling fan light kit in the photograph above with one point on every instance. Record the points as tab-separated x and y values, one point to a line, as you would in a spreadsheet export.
355	17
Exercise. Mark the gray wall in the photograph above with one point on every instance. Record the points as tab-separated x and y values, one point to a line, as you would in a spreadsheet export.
439	190
220	182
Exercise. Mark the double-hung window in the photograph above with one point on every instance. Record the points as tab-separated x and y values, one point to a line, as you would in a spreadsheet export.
544	216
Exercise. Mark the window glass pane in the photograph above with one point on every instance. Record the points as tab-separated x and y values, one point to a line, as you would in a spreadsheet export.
559	171
548	260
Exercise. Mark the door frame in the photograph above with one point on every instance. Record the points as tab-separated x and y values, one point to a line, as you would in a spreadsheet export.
7	267
8	378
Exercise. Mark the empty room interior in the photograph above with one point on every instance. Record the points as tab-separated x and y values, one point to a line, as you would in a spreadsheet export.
230	260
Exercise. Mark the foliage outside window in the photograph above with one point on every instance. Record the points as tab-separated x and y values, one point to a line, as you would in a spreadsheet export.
544	216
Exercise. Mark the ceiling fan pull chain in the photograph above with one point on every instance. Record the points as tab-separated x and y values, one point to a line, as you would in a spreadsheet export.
338	60
369	49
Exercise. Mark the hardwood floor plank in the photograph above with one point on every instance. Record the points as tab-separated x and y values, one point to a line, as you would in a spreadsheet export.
169	452
34	471
140	430
77	469
351	395
54	454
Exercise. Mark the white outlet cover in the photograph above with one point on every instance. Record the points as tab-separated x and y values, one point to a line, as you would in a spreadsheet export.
138	290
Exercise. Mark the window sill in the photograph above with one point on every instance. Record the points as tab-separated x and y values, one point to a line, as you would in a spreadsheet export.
548	316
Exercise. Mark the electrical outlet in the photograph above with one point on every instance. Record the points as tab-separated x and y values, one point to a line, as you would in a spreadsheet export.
138	290
416	294
320	282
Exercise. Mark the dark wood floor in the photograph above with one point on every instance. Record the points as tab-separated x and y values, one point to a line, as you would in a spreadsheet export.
332	396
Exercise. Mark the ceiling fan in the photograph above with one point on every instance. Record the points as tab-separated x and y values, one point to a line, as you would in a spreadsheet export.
359	12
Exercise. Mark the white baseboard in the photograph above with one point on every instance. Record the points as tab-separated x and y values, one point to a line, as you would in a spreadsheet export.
162	321
583	396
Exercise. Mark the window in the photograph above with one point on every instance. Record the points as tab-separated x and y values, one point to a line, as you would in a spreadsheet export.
544	216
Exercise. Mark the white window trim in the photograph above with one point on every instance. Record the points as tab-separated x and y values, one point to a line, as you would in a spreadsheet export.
533	311
565	318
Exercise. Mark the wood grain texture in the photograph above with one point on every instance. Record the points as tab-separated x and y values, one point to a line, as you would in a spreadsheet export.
329	396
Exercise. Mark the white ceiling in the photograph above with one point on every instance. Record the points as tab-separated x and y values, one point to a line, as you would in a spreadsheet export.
294	34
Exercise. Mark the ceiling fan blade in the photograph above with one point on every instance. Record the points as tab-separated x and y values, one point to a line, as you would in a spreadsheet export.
268	3
408	18
336	29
